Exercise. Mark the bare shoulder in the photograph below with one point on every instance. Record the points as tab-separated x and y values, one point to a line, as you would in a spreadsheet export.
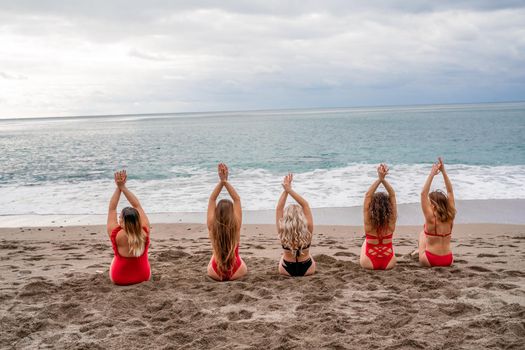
121	238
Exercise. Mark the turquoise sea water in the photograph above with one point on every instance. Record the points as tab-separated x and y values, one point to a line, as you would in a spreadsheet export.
65	165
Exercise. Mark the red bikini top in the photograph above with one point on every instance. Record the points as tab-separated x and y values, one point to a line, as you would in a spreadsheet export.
435	234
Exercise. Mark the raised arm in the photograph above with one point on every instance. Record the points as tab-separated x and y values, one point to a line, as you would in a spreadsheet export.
134	201
369	195
237	208
121	178
212	203
112	210
448	184
287	185
280	209
425	201
391	196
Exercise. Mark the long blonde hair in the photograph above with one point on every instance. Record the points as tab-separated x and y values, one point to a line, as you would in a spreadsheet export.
224	235
136	238
293	229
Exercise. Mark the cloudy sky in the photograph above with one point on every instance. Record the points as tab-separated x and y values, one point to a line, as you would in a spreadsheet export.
64	58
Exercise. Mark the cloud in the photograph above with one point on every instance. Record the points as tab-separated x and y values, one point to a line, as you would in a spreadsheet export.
8	76
147	55
105	57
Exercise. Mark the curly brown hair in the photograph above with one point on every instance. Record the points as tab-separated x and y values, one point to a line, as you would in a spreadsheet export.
380	211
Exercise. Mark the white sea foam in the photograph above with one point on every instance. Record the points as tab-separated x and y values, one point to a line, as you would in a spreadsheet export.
189	188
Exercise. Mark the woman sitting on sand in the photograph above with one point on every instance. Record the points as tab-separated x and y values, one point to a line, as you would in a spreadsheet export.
295	226
380	215
439	210
130	238
224	229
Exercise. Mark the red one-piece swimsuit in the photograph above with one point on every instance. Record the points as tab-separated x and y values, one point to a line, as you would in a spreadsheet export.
129	270
381	253
229	274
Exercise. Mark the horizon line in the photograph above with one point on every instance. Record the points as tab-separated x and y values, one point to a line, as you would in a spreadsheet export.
257	110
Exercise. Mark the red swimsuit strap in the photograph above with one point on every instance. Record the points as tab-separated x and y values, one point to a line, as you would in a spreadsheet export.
435	234
115	231
380	239
118	228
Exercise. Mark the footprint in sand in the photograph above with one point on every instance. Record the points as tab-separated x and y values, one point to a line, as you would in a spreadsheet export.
66	247
95	326
35	258
456	309
181	338
96	266
484	255
345	254
499	286
514	273
9	246
240	315
479	269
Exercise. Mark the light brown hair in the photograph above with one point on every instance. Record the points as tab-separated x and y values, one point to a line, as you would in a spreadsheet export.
380	212
445	212
224	235
136	238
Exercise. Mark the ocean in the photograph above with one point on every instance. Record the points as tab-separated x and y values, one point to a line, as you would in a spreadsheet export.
65	165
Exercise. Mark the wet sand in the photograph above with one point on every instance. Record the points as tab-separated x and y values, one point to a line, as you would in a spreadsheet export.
497	211
55	293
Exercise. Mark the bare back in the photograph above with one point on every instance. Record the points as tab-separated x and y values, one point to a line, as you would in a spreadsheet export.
123	245
372	231
438	235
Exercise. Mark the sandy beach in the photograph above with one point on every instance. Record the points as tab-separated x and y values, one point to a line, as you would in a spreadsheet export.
369	113
55	293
